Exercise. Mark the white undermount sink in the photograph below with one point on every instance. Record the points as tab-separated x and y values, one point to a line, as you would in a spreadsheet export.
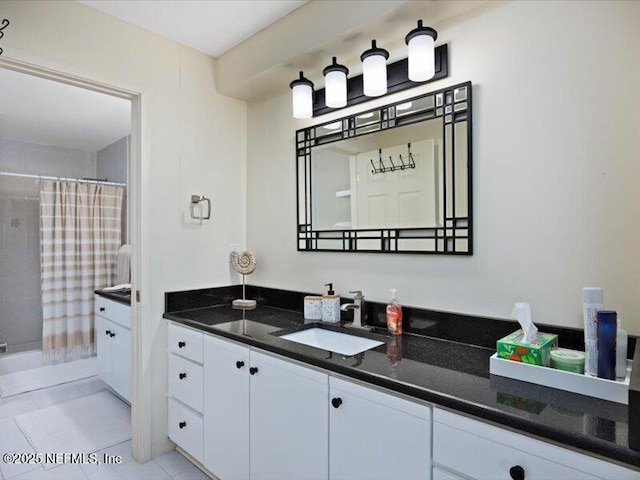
337	342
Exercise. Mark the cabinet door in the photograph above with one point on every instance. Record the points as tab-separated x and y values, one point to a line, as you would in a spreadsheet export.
376	436
289	420
226	409
103	339
121	361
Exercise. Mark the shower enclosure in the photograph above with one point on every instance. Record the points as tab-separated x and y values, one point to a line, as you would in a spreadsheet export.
79	222
20	294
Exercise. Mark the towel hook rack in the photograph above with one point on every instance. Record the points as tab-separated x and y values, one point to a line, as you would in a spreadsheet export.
382	168
197	200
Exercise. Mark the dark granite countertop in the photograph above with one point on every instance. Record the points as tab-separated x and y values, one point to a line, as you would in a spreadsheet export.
433	368
116	296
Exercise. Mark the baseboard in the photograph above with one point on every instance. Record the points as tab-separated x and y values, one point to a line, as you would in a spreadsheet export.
165	446
197	463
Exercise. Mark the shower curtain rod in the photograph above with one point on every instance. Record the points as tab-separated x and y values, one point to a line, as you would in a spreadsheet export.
66	179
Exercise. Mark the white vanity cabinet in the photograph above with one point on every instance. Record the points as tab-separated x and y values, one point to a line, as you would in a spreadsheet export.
377	436
113	344
467	448
264	418
245	414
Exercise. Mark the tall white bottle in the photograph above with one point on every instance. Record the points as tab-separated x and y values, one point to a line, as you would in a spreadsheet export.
622	338
592	302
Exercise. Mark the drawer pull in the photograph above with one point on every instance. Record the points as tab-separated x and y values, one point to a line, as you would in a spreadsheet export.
182	425
336	402
182	376
517	472
111	334
102	309
181	344
253	370
107	332
239	364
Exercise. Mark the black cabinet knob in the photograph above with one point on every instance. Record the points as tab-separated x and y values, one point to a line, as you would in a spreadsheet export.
517	472
253	370
102	309
239	364
182	376
181	344
182	425
111	334
107	332
336	402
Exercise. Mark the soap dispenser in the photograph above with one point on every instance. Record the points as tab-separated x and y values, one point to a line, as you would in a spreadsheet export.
330	305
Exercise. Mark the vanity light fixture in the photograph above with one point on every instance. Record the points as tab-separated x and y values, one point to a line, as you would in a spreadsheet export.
335	84
425	63
374	70
302	90
421	42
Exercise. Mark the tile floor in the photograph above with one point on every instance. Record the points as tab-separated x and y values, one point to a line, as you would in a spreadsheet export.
168	466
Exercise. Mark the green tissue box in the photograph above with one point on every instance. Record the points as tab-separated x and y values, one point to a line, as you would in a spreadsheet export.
536	353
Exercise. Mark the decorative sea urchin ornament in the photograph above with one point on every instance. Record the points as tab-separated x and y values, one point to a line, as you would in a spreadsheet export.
243	263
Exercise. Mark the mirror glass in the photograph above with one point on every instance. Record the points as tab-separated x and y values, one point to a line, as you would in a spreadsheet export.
394	179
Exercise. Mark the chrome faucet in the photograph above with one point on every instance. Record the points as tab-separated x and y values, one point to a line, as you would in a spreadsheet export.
358	310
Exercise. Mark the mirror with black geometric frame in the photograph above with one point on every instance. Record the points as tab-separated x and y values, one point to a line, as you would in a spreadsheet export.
396	179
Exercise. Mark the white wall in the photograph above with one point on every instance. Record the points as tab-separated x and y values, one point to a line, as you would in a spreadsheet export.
556	171
193	141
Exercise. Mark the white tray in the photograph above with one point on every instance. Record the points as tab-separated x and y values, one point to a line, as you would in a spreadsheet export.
614	391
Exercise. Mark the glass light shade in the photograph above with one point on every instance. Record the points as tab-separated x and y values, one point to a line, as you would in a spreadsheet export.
374	75
335	84
302	101
421	58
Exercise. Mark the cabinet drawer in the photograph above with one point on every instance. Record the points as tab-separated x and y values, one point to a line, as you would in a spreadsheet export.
185	342
185	429
115	311
496	450
185	381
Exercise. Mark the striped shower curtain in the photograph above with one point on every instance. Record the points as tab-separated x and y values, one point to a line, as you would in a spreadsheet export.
80	227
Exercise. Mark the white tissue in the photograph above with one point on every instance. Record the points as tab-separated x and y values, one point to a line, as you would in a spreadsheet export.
522	312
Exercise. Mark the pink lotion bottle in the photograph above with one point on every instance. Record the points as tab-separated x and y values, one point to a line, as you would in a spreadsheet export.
394	315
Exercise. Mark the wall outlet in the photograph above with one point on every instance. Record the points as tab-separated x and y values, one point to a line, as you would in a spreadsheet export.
234	247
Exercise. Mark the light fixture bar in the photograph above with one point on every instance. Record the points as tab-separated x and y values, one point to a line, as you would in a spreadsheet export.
397	81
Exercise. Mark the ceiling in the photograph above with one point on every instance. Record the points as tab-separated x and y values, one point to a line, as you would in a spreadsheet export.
45	112
210	26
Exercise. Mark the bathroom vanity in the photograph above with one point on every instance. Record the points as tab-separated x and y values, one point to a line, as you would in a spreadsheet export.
246	403
112	313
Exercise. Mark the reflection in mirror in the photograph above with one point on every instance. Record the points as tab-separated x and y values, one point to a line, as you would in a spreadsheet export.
351	190
395	179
